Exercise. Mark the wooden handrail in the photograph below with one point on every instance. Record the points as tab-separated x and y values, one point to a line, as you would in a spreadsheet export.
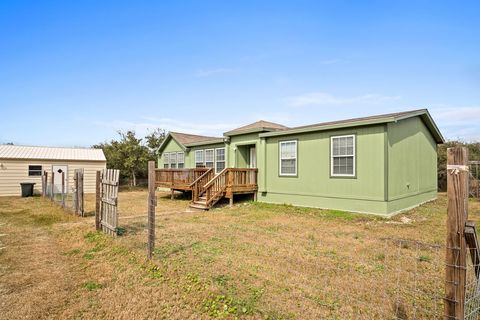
213	180
201	177
197	185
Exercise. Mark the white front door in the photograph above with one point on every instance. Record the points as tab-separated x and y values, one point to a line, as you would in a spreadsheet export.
57	178
253	157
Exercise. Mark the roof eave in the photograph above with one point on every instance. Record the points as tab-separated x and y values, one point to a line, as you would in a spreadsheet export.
167	139
254	130
327	127
206	142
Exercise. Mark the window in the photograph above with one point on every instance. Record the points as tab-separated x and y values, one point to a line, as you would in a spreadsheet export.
342	156
180	160
219	159
288	158
34	171
173	160
199	160
209	158
166	160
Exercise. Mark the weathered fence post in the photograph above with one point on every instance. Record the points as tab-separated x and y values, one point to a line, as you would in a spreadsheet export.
80	193
98	197
44	184
152	202
52	187
63	189
457	192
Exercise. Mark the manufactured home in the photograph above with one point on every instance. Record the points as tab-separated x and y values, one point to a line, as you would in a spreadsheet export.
380	164
20	164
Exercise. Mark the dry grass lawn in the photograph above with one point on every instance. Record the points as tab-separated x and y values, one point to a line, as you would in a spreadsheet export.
252	261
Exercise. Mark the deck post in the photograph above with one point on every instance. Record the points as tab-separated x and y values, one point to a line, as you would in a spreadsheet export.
230	201
172	194
457	214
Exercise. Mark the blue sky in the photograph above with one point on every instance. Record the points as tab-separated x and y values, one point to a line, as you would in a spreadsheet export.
72	73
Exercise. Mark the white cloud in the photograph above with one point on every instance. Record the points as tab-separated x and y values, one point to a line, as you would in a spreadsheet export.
322	98
458	122
455	114
202	73
149	123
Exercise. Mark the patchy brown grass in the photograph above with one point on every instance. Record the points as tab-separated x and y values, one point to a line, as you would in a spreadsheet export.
253	261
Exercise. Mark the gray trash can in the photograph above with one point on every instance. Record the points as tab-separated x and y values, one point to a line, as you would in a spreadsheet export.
27	189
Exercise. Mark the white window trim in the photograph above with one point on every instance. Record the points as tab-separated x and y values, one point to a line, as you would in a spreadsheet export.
215	158
354	156
183	162
173	154
166	162
280	173
203	157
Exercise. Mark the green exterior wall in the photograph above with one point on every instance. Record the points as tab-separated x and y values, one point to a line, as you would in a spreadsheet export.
396	167
172	146
314	187
412	164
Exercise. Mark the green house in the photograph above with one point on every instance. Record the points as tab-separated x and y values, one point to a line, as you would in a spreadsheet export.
381	164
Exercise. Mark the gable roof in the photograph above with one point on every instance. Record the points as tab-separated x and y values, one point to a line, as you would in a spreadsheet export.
51	153
376	119
257	126
186	140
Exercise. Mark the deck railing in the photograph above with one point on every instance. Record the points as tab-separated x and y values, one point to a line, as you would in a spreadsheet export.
177	178
198	186
230	181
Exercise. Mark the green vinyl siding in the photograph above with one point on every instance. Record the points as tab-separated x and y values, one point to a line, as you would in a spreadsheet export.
191	153
395	167
313	185
172	146
412	159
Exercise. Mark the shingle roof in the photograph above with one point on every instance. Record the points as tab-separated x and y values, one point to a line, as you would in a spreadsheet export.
352	121
261	125
51	153
185	138
376	119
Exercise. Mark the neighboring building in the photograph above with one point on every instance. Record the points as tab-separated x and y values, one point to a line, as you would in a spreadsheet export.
381	164
26	164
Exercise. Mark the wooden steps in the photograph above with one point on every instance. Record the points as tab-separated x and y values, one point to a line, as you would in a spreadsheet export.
209	188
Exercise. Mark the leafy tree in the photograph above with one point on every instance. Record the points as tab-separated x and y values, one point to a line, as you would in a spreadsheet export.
473	154
154	140
130	154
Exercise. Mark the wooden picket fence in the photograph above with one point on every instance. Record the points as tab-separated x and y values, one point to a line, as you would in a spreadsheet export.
106	206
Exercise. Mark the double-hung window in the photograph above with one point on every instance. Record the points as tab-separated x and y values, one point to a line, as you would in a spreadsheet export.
219	159
342	159
288	158
209	158
199	158
180	160
173	160
166	160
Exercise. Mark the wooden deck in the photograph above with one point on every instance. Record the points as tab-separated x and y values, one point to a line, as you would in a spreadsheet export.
178	179
208	188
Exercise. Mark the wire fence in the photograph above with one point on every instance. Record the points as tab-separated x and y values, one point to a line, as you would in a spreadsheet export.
69	196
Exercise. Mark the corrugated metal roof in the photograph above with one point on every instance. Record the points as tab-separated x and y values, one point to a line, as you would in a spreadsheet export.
51	153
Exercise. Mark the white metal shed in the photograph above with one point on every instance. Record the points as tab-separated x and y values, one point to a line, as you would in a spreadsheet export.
26	164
